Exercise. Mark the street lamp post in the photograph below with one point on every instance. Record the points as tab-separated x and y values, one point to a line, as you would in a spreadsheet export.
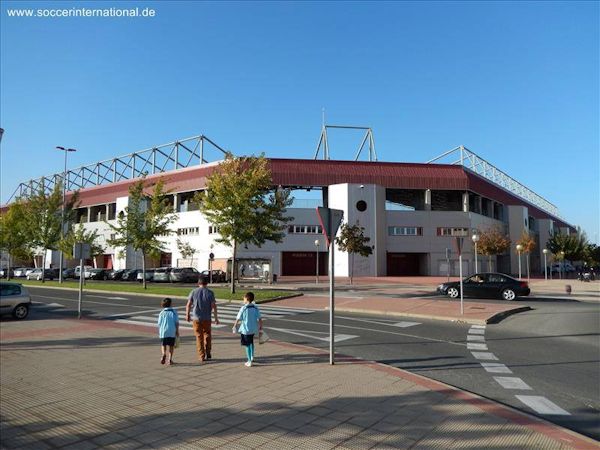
317	243
519	248
545	252
562	264
62	215
475	239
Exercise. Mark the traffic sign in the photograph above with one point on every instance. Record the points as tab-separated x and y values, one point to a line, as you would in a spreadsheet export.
82	250
330	220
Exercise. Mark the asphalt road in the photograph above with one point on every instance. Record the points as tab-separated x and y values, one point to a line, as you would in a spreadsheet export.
549	357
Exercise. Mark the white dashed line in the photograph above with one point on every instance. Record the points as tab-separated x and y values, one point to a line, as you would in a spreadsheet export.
475	337
485	356
481	327
542	405
476	346
512	383
495	368
476	331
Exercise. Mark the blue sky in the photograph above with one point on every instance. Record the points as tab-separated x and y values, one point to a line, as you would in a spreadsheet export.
516	82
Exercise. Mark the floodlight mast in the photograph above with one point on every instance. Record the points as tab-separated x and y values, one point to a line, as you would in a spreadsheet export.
324	143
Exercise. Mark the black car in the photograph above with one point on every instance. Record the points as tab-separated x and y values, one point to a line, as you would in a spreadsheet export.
98	274
116	275
487	285
184	275
218	276
68	272
130	275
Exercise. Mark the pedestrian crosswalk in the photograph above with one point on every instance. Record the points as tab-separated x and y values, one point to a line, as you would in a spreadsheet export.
227	313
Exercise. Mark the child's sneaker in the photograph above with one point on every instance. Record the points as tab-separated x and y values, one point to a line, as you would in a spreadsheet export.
248	363
163	359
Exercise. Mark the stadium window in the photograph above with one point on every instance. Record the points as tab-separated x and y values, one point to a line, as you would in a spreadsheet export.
304	229
405	231
448	231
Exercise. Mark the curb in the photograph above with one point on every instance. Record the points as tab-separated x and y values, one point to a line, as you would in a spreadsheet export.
142	294
565	436
472	321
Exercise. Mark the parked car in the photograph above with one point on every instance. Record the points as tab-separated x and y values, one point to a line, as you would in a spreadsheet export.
116	275
129	275
487	285
21	271
184	275
96	274
78	271
4	273
218	276
68	272
36	274
562	267
14	299
162	274
149	275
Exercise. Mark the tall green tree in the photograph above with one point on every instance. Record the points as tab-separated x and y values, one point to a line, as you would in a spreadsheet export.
144	221
492	242
240	201
79	234
352	240
44	219
14	239
573	245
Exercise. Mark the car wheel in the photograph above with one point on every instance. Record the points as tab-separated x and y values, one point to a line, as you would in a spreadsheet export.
453	292
508	294
20	312
105	277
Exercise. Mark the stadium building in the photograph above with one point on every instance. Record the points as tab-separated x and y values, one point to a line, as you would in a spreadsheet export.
411	212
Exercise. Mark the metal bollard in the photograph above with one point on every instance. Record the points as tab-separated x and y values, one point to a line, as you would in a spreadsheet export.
568	289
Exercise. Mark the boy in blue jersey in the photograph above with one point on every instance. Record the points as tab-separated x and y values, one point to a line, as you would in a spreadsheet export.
250	323
168	330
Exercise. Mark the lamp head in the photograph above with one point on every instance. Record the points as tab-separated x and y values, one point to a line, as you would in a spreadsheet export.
519	247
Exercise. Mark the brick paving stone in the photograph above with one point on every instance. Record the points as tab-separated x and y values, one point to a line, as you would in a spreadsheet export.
110	392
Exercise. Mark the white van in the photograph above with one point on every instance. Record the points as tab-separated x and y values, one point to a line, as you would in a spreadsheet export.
78	270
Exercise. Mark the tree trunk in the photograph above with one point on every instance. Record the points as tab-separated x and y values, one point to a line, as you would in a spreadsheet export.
44	266
144	269
351	267
489	263
233	267
8	268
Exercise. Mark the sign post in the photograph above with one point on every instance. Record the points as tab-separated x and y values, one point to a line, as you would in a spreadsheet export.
82	251
448	264
211	257
330	220
459	244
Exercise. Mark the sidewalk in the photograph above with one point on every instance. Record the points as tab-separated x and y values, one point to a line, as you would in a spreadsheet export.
97	384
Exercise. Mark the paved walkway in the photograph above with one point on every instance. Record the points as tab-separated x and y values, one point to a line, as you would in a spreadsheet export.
97	384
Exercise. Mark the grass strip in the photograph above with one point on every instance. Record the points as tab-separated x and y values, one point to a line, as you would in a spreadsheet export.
221	293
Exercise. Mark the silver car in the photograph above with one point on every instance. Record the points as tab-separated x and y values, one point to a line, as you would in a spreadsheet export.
14	299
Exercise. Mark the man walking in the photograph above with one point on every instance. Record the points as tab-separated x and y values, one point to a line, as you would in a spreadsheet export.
200	303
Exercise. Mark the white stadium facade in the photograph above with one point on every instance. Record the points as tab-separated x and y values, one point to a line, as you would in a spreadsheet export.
410	211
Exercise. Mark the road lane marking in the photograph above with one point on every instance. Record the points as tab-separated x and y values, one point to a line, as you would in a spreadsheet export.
108	298
475	337
355	328
476	331
542	405
495	368
311	334
481	327
512	383
476	346
485	356
389	323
